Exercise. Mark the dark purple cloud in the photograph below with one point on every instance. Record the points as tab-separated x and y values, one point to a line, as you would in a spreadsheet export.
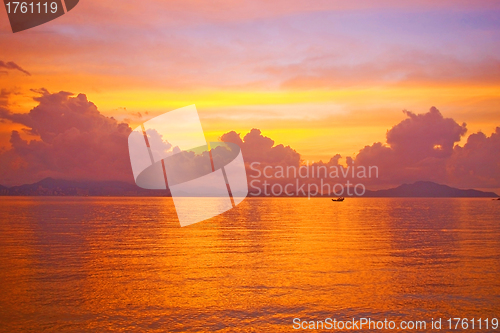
4	98
13	66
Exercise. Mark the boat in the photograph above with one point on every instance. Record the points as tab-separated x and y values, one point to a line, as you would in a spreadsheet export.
338	199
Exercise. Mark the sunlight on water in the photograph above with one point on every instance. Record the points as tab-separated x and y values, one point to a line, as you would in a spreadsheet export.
124	264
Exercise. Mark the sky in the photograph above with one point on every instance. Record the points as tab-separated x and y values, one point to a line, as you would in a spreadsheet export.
325	77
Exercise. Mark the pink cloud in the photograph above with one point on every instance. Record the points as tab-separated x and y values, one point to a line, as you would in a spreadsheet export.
417	148
477	163
75	142
393	66
421	147
427	135
259	148
425	147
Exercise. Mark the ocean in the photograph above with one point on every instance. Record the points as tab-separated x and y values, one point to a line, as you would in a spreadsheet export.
99	264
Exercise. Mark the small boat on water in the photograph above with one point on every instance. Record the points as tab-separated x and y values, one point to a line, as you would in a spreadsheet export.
338	199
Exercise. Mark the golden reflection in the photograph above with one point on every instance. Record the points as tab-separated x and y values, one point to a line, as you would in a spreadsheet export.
124	264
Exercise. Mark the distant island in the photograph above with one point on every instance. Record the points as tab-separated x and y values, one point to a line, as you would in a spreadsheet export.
60	187
424	189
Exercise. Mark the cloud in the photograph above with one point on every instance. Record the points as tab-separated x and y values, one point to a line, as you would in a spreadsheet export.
425	147
401	66
477	163
75	142
417	148
12	65
425	135
420	147
258	148
4	98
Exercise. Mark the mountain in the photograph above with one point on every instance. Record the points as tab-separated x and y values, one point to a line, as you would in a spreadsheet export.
60	187
429	189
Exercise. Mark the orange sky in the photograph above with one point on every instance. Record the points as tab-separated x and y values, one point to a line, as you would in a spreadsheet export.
324	77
